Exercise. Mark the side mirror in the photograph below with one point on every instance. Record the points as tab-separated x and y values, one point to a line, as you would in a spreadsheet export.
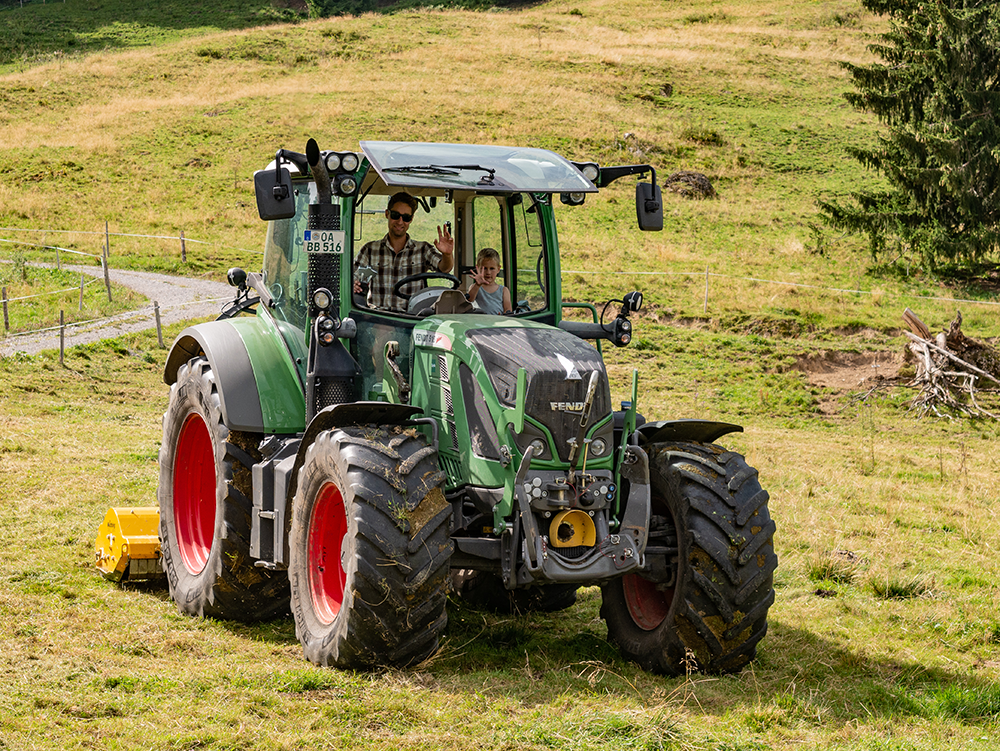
275	195
648	207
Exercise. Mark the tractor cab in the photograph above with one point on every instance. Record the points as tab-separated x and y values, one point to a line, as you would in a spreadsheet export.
495	197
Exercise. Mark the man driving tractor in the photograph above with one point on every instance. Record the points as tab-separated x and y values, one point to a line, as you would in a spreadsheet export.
397	255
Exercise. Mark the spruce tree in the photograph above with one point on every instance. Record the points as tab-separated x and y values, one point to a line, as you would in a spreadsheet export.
937	92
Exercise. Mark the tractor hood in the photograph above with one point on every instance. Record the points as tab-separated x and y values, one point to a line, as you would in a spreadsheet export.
559	368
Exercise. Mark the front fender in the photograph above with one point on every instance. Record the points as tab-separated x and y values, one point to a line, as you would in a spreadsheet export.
248	358
700	431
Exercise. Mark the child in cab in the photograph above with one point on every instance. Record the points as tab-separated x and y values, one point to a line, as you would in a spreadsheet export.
493	298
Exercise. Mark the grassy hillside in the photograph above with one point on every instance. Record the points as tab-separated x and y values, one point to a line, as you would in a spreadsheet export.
884	636
46	32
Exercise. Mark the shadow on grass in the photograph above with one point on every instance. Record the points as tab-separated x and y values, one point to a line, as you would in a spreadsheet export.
539	658
38	29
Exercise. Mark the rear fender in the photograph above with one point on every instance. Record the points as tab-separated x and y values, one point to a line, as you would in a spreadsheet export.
248	358
699	431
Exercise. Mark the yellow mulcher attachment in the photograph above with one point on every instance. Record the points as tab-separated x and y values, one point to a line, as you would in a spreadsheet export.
128	544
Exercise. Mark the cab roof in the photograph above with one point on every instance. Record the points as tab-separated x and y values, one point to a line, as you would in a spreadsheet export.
453	166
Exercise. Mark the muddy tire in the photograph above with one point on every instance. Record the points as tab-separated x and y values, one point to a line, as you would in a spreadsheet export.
205	499
710	618
485	591
370	549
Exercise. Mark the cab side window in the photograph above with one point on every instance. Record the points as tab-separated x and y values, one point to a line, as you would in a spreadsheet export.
530	283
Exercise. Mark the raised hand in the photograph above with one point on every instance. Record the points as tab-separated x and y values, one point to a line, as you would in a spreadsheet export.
445	242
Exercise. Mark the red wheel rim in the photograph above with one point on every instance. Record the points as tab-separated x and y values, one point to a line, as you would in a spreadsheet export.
647	605
327	529
194	493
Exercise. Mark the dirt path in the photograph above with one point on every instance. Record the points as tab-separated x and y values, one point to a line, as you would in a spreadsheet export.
180	299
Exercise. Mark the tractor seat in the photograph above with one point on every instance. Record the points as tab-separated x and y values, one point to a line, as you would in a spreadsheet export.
452	301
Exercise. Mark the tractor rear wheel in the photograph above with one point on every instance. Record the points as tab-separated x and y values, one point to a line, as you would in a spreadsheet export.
205	496
711	615
369	550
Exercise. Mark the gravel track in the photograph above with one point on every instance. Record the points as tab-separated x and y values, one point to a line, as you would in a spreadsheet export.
180	299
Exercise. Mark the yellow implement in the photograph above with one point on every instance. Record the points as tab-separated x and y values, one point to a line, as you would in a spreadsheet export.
128	544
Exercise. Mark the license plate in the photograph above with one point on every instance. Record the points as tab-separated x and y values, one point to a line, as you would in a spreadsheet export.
324	241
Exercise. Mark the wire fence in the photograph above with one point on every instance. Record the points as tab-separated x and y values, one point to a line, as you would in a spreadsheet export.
103	257
840	290
144	312
28	238
183	241
181	238
53	292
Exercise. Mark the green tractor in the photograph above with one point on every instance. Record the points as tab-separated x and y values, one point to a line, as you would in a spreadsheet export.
357	464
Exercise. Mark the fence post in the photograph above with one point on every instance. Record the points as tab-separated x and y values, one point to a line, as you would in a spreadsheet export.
107	238
107	276
81	292
706	290
184	255
62	336
159	328
6	319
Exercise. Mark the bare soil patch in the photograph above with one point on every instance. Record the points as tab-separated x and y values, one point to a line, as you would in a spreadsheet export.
847	371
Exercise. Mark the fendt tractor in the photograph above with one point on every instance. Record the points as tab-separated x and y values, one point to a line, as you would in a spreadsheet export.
358	465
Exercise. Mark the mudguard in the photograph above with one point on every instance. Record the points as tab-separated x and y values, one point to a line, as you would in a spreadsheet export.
343	415
248	358
700	431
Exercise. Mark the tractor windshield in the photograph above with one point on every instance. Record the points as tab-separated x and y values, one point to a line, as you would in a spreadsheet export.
509	224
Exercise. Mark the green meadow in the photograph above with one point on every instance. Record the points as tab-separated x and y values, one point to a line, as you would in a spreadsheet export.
885	635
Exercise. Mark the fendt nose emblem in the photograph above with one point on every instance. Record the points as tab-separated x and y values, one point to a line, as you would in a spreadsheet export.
572	374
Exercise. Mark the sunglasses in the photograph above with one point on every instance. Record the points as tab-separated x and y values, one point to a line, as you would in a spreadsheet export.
397	215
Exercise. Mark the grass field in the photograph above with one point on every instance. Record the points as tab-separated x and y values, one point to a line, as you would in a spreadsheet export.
885	635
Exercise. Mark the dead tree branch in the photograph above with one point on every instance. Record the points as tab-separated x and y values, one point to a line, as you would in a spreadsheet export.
947	383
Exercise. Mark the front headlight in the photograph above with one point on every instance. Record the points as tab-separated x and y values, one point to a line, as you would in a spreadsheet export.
322	298
347	185
349	162
333	162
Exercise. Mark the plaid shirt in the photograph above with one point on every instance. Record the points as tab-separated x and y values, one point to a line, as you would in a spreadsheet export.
415	258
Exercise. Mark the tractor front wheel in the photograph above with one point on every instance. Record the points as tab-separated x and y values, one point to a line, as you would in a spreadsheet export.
205	496
710	614
369	549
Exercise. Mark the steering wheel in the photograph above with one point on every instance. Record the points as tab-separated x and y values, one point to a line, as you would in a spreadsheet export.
396	290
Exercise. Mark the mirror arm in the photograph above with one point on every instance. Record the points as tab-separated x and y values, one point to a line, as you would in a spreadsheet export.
609	174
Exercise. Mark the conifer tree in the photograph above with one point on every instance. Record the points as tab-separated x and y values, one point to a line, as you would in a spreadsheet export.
937	92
